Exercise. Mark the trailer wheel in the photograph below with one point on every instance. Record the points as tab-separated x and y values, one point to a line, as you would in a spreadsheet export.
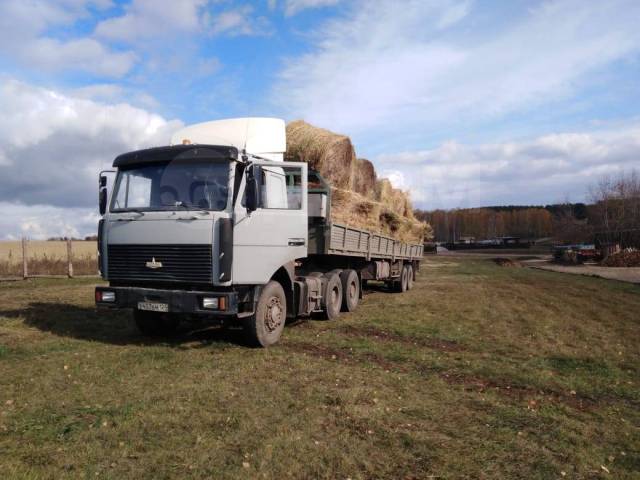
154	324
332	300
350	290
409	277
401	284
265	326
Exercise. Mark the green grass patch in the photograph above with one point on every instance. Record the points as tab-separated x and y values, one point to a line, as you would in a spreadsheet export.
478	372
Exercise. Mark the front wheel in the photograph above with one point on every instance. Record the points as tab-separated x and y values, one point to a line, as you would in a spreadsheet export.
265	326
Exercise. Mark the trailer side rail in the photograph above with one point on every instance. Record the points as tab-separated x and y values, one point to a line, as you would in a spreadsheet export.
344	240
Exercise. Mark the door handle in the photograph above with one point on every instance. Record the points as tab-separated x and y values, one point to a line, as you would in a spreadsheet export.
296	242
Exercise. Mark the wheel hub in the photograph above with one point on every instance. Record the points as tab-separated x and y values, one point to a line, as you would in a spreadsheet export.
273	314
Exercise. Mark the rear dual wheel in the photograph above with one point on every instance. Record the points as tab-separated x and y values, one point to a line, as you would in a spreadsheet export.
341	294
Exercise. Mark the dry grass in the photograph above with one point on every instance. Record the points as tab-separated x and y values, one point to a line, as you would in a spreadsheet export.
627	258
48	258
394	199
355	210
479	372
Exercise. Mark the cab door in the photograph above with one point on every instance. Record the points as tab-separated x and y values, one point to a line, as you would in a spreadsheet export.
276	233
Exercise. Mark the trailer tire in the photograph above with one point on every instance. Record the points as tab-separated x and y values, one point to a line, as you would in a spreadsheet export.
265	326
332	299
350	290
401	283
154	324
409	276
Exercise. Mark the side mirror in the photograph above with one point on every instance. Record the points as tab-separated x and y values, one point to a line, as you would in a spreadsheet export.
102	195
252	191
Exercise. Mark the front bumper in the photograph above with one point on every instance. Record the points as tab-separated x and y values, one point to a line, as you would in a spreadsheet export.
179	301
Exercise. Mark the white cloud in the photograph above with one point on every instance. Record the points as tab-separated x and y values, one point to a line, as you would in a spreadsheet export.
153	18
546	169
39	222
53	145
293	7
24	26
238	21
385	69
83	54
99	91
396	177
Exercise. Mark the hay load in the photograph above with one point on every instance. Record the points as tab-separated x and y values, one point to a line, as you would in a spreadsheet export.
359	198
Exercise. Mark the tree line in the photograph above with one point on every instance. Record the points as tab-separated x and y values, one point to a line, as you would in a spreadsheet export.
488	222
613	212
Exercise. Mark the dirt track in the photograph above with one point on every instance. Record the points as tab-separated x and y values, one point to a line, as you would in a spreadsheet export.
543	262
629	274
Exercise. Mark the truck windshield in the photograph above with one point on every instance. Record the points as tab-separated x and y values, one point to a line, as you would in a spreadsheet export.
197	185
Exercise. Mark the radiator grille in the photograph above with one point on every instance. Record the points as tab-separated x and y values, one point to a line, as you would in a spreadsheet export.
180	263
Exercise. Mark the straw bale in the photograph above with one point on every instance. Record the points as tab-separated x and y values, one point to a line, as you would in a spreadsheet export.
363	178
329	153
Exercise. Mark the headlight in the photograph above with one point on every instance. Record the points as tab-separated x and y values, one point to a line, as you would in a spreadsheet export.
210	303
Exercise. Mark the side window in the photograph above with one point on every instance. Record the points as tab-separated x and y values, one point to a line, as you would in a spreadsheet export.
280	187
294	189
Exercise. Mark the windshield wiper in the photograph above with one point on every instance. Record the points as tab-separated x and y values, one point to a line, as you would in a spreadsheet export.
187	206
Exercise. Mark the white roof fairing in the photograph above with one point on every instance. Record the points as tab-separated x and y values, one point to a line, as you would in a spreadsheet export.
264	137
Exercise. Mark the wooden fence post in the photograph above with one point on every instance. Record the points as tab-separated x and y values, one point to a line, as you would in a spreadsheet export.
25	271
69	259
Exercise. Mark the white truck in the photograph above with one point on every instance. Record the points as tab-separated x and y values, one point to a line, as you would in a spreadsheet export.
217	228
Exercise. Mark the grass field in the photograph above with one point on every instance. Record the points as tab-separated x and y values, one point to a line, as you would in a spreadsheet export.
478	372
46	257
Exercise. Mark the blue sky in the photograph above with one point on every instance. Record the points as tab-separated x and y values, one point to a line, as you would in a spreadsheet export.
464	103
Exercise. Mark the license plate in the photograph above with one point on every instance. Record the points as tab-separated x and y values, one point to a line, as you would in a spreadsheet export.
153	307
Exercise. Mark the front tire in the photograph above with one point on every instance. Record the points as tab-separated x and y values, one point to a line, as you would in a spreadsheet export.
154	324
265	326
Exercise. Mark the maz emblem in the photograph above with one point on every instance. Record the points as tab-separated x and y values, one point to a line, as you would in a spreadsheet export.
153	264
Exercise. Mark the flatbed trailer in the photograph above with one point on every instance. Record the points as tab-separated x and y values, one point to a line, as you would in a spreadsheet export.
350	241
211	233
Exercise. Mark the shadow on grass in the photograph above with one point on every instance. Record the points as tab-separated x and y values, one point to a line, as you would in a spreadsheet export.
115	327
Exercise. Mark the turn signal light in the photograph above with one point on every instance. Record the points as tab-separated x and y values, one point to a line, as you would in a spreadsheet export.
214	303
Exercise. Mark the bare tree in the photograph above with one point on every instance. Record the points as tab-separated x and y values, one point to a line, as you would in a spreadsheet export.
615	213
